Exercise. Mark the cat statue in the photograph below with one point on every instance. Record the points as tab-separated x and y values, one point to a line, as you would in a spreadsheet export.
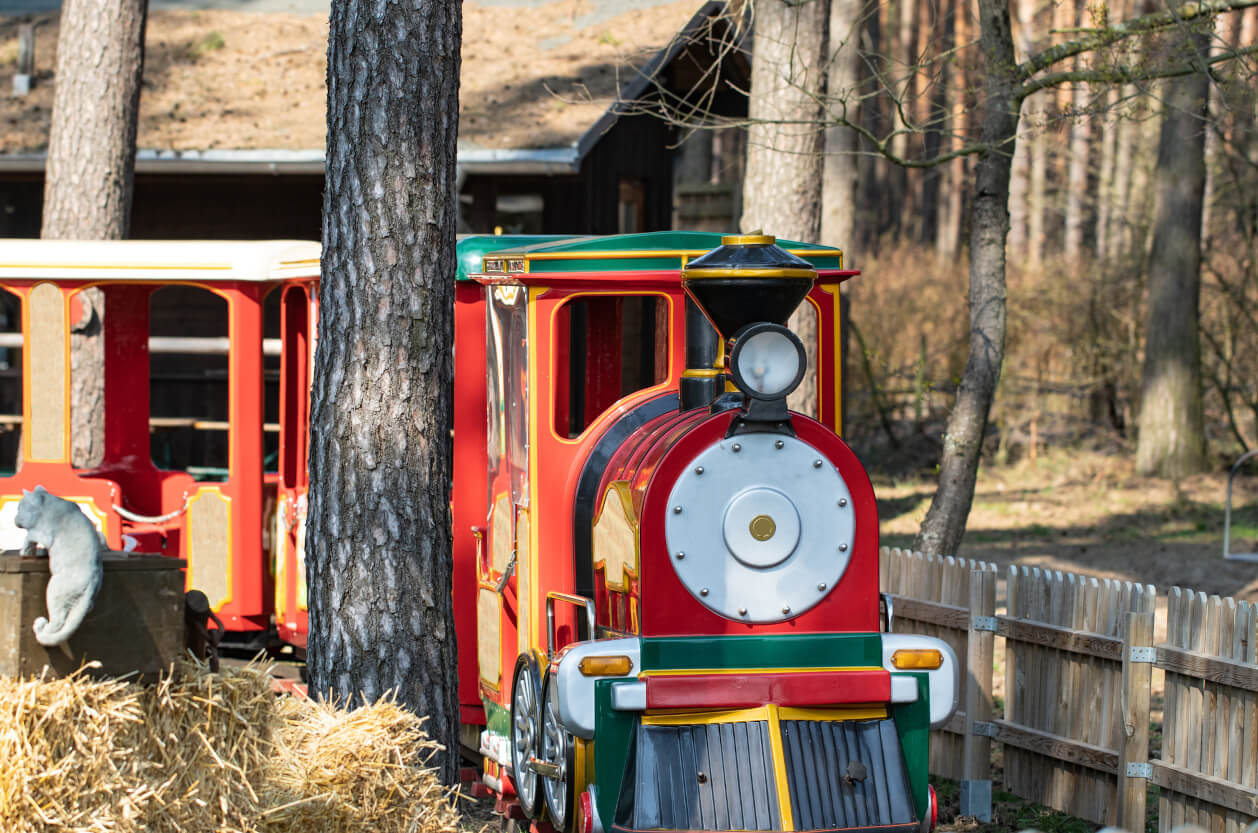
74	560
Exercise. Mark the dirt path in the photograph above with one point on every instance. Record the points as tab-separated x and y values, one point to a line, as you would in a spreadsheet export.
1090	513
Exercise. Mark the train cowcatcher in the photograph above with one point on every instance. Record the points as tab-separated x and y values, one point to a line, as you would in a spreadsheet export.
665	580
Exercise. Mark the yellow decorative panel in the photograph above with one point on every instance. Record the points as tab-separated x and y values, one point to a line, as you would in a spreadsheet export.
523	565
616	537
501	531
208	533
47	389
489	637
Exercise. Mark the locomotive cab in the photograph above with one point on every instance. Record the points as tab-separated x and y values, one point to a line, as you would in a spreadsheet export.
678	623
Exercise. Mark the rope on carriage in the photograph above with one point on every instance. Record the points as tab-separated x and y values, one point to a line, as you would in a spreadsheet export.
151	519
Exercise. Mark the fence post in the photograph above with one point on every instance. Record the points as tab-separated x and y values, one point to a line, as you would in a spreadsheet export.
1134	747
976	783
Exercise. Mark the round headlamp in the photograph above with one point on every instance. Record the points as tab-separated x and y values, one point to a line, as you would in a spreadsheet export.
768	361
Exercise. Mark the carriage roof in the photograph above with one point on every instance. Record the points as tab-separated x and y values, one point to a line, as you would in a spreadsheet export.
211	261
646	252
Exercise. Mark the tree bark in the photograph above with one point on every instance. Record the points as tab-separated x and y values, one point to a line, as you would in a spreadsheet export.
1172	437
90	175
378	541
944	525
782	186
841	171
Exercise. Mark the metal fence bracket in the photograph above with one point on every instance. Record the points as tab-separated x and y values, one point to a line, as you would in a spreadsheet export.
984	623
1143	654
984	729
1136	770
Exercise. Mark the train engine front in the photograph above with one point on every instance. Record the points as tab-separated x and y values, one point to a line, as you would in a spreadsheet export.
741	680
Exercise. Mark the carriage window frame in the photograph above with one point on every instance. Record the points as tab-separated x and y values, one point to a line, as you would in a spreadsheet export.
561	336
507	402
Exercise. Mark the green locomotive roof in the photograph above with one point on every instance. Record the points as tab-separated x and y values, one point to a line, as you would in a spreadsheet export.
650	251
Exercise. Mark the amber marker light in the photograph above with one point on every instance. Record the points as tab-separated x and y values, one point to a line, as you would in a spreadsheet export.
917	659
606	666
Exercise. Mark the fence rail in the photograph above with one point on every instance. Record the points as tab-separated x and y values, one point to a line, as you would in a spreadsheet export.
1079	655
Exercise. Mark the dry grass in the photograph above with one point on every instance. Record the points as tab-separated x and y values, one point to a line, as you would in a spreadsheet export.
201	752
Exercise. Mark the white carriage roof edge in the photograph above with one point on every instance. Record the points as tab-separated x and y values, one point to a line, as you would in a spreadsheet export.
158	260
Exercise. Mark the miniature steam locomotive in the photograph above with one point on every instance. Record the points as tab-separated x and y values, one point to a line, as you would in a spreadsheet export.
665	581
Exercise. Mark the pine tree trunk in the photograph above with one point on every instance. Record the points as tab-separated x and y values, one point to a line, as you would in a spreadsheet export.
90	176
944	525
782	187
839	186
378	541
1172	438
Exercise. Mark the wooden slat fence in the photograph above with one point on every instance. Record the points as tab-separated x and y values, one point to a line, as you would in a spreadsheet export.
1065	725
1208	769
933	596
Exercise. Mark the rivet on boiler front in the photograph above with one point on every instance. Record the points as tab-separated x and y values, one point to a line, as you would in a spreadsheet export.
703	591
816	464
698	469
842	501
677	510
842	547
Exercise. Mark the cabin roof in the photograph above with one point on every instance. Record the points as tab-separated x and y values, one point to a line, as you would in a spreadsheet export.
211	261
537	83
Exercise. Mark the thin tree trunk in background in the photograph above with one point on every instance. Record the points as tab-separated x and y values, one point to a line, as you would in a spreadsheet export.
903	50
948	241
1215	107
90	176
945	521
1037	200
940	123
782	187
378	540
1126	164
1105	181
868	221
1171	441
840	180
1020	177
1080	152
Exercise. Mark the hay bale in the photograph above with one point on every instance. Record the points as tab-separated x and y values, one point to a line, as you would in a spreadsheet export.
202	753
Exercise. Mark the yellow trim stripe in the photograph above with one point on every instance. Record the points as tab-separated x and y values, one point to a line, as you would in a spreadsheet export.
691	672
157	267
639	254
748	272
707	718
779	768
832	715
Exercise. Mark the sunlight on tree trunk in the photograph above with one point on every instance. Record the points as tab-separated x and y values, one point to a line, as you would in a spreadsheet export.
1172	437
782	186
90	174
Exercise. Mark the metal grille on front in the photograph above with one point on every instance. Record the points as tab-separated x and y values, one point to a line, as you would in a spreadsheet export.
715	776
847	773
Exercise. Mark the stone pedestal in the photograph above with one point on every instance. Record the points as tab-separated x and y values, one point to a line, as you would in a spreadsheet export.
135	626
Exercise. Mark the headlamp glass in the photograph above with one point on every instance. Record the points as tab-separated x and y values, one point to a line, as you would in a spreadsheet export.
767	361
